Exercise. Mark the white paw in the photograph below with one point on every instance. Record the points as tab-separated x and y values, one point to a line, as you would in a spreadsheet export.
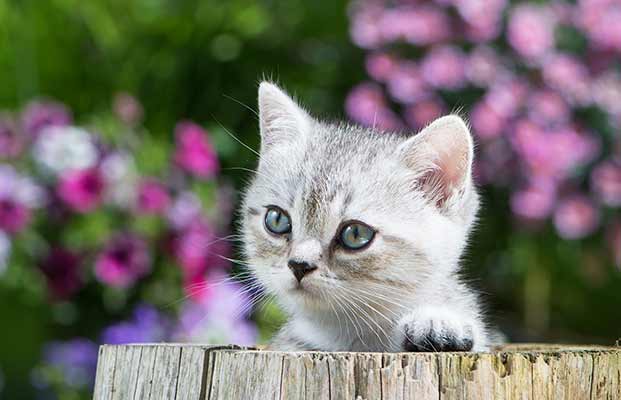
437	329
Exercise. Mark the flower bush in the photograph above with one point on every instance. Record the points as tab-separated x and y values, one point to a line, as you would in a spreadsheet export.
546	117
112	232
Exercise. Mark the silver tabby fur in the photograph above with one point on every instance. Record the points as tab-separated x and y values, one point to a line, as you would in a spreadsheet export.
403	292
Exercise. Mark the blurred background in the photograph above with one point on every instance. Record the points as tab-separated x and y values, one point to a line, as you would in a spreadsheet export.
119	172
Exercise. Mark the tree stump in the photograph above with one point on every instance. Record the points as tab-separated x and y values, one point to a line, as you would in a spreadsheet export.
195	372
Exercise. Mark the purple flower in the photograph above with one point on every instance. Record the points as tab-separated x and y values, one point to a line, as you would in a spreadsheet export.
569	76
145	326
483	66
548	108
219	317
198	249
365	28
530	31
61	269
76	359
18	195
194	152
424	112
81	190
40	114
486	122
128	108
124	260
606	182
185	209
380	66
153	197
600	20
507	96
366	105
535	202
10	145
482	18
576	217
406	85
422	25
443	67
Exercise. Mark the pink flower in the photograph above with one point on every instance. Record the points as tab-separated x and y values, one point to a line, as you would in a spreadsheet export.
14	216
576	217
600	20
482	18
482	66
606	182
405	83
153	197
569	76
443	67
194	152
506	97
10	145
81	190
548	107
530	31
424	112
124	260
486	122
366	105
128	108
422	25
40	114
198	249
364	30
535	202
380	66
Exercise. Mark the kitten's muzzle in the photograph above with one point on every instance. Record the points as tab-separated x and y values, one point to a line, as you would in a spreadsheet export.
301	268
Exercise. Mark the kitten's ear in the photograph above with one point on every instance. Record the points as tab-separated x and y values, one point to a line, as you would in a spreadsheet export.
441	158
281	119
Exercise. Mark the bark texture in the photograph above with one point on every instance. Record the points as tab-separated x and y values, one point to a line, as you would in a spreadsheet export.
194	372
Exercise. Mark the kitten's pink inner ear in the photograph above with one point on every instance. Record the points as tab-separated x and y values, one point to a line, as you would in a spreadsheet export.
442	154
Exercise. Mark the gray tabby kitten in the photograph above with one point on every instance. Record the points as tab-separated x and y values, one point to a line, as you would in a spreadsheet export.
358	233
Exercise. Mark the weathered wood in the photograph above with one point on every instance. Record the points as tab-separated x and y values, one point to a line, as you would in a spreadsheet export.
195	372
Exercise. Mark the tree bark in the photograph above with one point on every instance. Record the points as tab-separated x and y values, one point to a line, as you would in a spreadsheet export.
194	372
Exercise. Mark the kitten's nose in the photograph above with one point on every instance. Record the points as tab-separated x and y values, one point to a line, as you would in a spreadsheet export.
301	268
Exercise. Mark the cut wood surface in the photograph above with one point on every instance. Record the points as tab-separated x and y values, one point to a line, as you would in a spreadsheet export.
195	372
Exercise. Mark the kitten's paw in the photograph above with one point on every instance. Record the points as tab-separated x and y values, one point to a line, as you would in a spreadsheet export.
436	329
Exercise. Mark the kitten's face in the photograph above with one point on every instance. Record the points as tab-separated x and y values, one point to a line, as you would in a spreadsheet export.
336	214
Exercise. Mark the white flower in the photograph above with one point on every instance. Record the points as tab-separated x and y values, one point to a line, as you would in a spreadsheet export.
5	251
20	188
62	148
121	178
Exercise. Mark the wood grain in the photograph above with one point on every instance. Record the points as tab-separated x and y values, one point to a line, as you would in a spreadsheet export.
195	372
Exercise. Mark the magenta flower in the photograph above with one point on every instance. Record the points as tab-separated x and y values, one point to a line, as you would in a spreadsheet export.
548	108
194	152
13	215
606	182
124	260
198	249
40	114
81	190
153	197
531	31
576	217
443	67
61	269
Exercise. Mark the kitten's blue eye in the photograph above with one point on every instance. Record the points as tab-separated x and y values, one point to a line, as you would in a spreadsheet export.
356	235
277	221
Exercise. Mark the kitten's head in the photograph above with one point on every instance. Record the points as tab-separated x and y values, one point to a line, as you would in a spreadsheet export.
340	210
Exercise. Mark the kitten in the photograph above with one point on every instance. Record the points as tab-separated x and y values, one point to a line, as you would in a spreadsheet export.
358	233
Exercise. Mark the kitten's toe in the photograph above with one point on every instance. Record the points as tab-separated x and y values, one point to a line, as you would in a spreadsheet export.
436	341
